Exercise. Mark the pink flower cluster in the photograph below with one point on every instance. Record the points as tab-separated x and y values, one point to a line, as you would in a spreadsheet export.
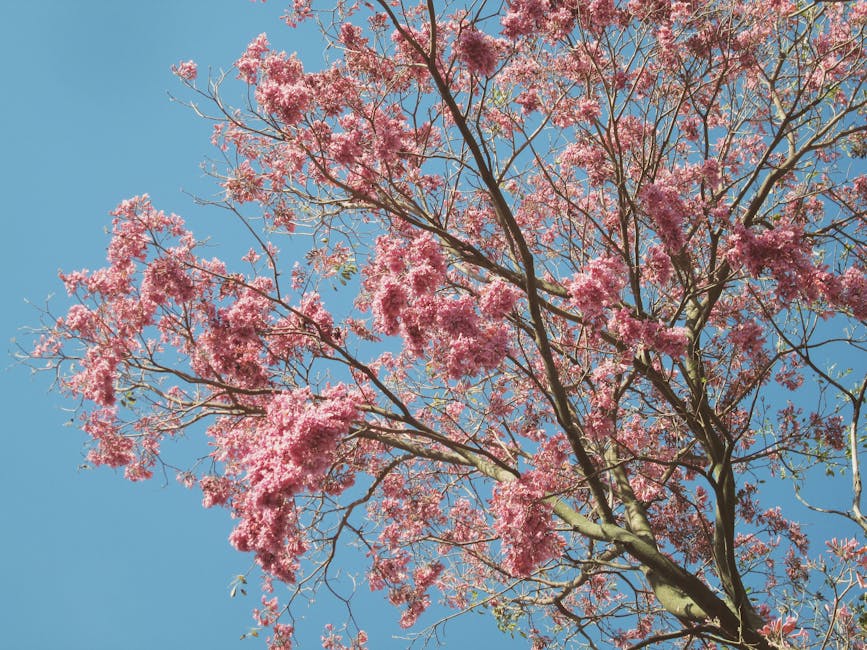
187	70
663	205
297	439
782	629
97	378
404	280
411	592
113	449
331	640
231	348
590	157
477	51
598	285
216	490
290	450
785	253
854	553
111	329
849	549
648	334
273	533
245	185
166	279
524	524
852	292
524	16
248	65
782	250
268	616
283	90
415	596
657	266
409	507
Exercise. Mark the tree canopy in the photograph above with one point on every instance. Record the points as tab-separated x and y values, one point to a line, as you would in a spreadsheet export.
570	326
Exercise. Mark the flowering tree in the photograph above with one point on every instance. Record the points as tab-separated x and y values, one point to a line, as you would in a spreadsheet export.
606	264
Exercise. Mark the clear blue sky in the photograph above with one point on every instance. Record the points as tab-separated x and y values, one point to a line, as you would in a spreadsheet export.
90	561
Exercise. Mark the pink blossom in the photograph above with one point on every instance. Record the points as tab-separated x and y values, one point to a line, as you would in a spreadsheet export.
317	316
853	292
663	205
72	281
499	298
781	629
847	549
283	90
166	279
138	470
290	450
97	378
657	266
458	317
477	51
783	251
598	425
523	17
272	532
523	522
281	636
216	490
287	101
331	640
469	354
670	341
303	435
245	185
598	285
747	336
592	158
187	70
411	511
387	306
588	109
248	64
641	334
410	591
631	132
388	570
113	448
681	10
529	101
600	14
712	172
426	253
346	147
667	51
82	320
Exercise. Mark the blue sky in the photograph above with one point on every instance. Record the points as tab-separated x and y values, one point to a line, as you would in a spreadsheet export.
90	561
